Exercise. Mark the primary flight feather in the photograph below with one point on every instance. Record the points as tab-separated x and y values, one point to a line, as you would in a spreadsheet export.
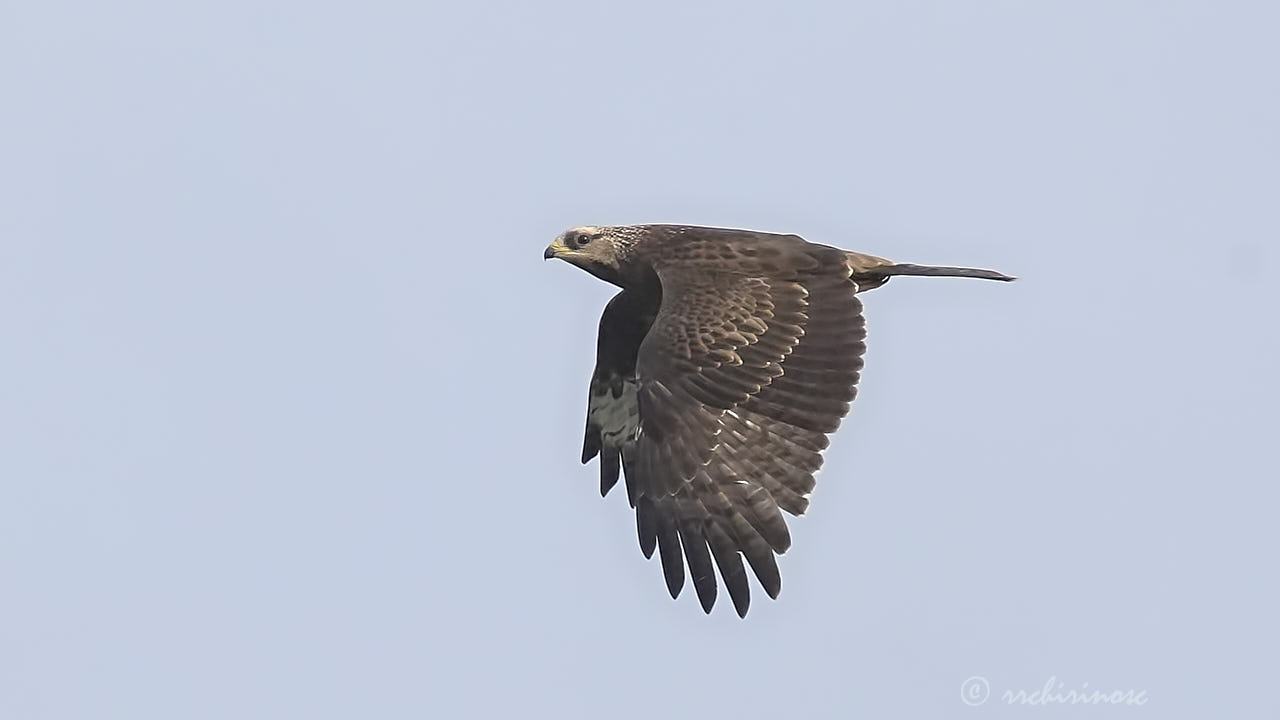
721	368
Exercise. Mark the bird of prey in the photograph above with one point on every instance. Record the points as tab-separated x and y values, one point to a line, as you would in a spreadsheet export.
721	367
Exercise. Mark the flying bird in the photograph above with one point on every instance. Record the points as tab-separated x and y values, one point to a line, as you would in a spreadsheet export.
721	367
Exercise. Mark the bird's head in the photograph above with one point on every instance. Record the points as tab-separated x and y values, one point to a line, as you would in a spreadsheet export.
598	250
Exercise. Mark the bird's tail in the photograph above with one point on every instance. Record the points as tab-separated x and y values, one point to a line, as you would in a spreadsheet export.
875	271
942	271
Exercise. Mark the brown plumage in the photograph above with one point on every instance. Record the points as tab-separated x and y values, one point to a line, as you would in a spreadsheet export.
721	368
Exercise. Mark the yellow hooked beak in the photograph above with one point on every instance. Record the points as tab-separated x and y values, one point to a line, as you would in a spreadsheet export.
555	250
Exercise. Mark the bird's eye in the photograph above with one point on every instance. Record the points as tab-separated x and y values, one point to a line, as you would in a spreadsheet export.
583	239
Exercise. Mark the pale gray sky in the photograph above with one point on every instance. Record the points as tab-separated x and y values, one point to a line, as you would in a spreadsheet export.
291	406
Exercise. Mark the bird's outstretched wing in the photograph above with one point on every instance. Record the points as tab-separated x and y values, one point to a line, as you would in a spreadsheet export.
751	359
612	413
